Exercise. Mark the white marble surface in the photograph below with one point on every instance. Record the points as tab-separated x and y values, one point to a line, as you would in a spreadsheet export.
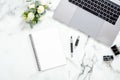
17	59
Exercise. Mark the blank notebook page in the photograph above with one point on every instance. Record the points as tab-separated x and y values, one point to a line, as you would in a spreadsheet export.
48	48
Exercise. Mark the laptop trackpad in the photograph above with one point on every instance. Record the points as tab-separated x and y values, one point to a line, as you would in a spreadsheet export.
86	22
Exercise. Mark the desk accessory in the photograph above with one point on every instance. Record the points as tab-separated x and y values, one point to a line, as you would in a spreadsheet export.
48	49
77	41
73	46
116	50
108	58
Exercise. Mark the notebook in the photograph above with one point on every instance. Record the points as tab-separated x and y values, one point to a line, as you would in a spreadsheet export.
48	49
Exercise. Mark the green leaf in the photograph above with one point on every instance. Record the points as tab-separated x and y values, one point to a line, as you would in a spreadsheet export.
26	13
37	3
37	15
45	6
32	10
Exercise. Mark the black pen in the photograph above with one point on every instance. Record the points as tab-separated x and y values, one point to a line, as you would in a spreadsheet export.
71	46
77	41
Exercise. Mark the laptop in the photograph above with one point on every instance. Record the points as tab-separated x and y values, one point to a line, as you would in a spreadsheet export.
96	18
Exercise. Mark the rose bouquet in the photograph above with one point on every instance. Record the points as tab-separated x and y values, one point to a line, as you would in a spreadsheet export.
34	13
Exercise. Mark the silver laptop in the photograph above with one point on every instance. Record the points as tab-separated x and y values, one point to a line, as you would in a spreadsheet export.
97	18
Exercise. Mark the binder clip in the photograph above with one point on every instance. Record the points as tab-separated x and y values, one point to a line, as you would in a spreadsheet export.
115	50
108	58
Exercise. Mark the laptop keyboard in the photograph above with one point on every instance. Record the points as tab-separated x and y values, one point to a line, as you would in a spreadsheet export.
104	9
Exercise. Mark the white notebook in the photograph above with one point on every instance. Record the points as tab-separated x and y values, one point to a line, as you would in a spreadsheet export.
48	49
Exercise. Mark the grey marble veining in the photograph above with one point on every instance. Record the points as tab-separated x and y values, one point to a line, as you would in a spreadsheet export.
87	64
11	7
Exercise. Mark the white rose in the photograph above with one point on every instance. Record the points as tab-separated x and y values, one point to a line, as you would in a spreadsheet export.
40	9
31	6
30	16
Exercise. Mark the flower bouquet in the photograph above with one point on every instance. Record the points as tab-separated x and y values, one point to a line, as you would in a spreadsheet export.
34	13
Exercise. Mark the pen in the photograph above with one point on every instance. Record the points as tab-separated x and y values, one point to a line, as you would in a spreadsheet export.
71	46
77	41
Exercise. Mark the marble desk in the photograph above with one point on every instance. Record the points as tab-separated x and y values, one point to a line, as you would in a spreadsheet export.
17	60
